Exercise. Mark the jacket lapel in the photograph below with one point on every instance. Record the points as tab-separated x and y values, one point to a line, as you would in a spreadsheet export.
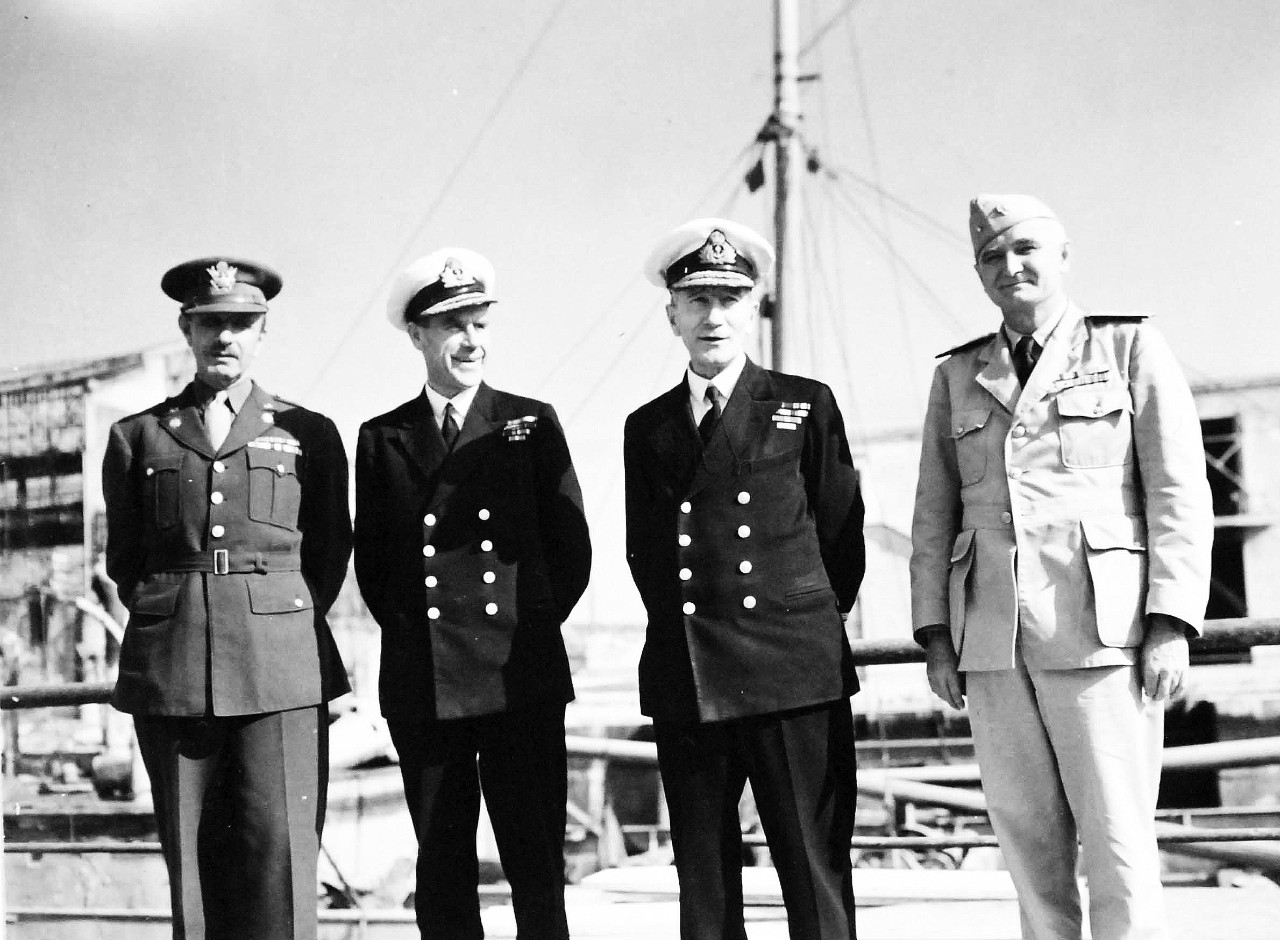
750	404
418	436
997	375
256	417
1065	344
184	424
673	439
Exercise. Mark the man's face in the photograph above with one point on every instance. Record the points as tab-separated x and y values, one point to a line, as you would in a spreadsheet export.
714	323
1023	271
224	344
453	345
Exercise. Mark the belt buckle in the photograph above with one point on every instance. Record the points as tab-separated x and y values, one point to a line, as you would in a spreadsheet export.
221	561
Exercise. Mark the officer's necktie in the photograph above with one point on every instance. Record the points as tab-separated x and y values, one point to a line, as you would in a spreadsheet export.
450	429
1026	352
708	423
217	419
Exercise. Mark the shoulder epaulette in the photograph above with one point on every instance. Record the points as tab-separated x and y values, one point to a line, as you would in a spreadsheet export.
965	345
1123	316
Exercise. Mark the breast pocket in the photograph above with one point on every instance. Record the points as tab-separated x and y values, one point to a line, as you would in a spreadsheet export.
1095	426
275	493
164	489
971	443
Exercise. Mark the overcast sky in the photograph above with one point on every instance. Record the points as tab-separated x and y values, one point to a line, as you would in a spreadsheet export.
337	140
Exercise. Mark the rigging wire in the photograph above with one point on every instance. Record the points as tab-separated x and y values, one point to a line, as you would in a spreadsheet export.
489	119
820	33
923	220
885	245
734	167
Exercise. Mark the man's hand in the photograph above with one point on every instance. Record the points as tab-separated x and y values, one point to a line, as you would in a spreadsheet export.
1165	657
943	667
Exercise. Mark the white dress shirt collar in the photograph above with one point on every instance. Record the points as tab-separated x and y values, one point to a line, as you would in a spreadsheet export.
724	383
461	403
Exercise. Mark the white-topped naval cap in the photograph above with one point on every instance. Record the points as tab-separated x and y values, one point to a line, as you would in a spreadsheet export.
443	280
710	251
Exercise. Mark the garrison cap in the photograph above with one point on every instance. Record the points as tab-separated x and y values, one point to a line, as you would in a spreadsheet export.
443	280
221	285
989	215
710	251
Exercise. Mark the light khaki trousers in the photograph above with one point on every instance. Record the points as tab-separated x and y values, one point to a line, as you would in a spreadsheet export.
1069	754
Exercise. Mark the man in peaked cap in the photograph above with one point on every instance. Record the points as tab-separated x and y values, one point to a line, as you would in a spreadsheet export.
744	537
1060	561
228	537
471	551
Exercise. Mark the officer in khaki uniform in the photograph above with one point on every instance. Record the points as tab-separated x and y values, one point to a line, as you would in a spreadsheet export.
471	551
228	537
744	537
1061	546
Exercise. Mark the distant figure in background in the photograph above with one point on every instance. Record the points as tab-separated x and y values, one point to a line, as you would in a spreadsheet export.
744	537
228	537
471	551
1060	561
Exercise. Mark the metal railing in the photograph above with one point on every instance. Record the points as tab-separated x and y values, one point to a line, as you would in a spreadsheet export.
1240	845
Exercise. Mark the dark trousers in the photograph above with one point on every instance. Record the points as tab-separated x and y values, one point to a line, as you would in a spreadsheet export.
803	774
240	806
519	761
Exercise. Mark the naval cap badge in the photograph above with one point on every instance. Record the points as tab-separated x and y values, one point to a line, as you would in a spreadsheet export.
717	249
452	274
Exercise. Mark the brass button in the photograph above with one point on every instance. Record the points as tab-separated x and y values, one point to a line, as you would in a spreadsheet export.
218	531
298	602
216	498
749	602
685	574
428	550
491	608
744	566
684	540
433	612
490	577
744	531
486	546
429	519
219	466
744	497
483	514
689	607
1006	517
686	507
431	580
151	471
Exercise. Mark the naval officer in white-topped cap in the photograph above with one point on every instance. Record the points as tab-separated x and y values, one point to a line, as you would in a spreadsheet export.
1060	561
471	549
744	537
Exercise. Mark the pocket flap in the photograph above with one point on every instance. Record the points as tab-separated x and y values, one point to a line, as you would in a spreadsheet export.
965	422
155	598
1116	532
158	462
278	462
961	546
281	593
1094	401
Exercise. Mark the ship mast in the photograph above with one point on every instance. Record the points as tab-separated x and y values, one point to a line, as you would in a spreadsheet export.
786	144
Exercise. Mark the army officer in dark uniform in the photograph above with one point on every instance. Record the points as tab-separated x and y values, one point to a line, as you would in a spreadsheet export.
471	550
744	536
228	536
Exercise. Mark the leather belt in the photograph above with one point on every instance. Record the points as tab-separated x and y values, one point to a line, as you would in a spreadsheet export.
225	561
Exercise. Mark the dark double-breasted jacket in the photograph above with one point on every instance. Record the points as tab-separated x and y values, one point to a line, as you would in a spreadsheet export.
747	553
471	559
228	560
